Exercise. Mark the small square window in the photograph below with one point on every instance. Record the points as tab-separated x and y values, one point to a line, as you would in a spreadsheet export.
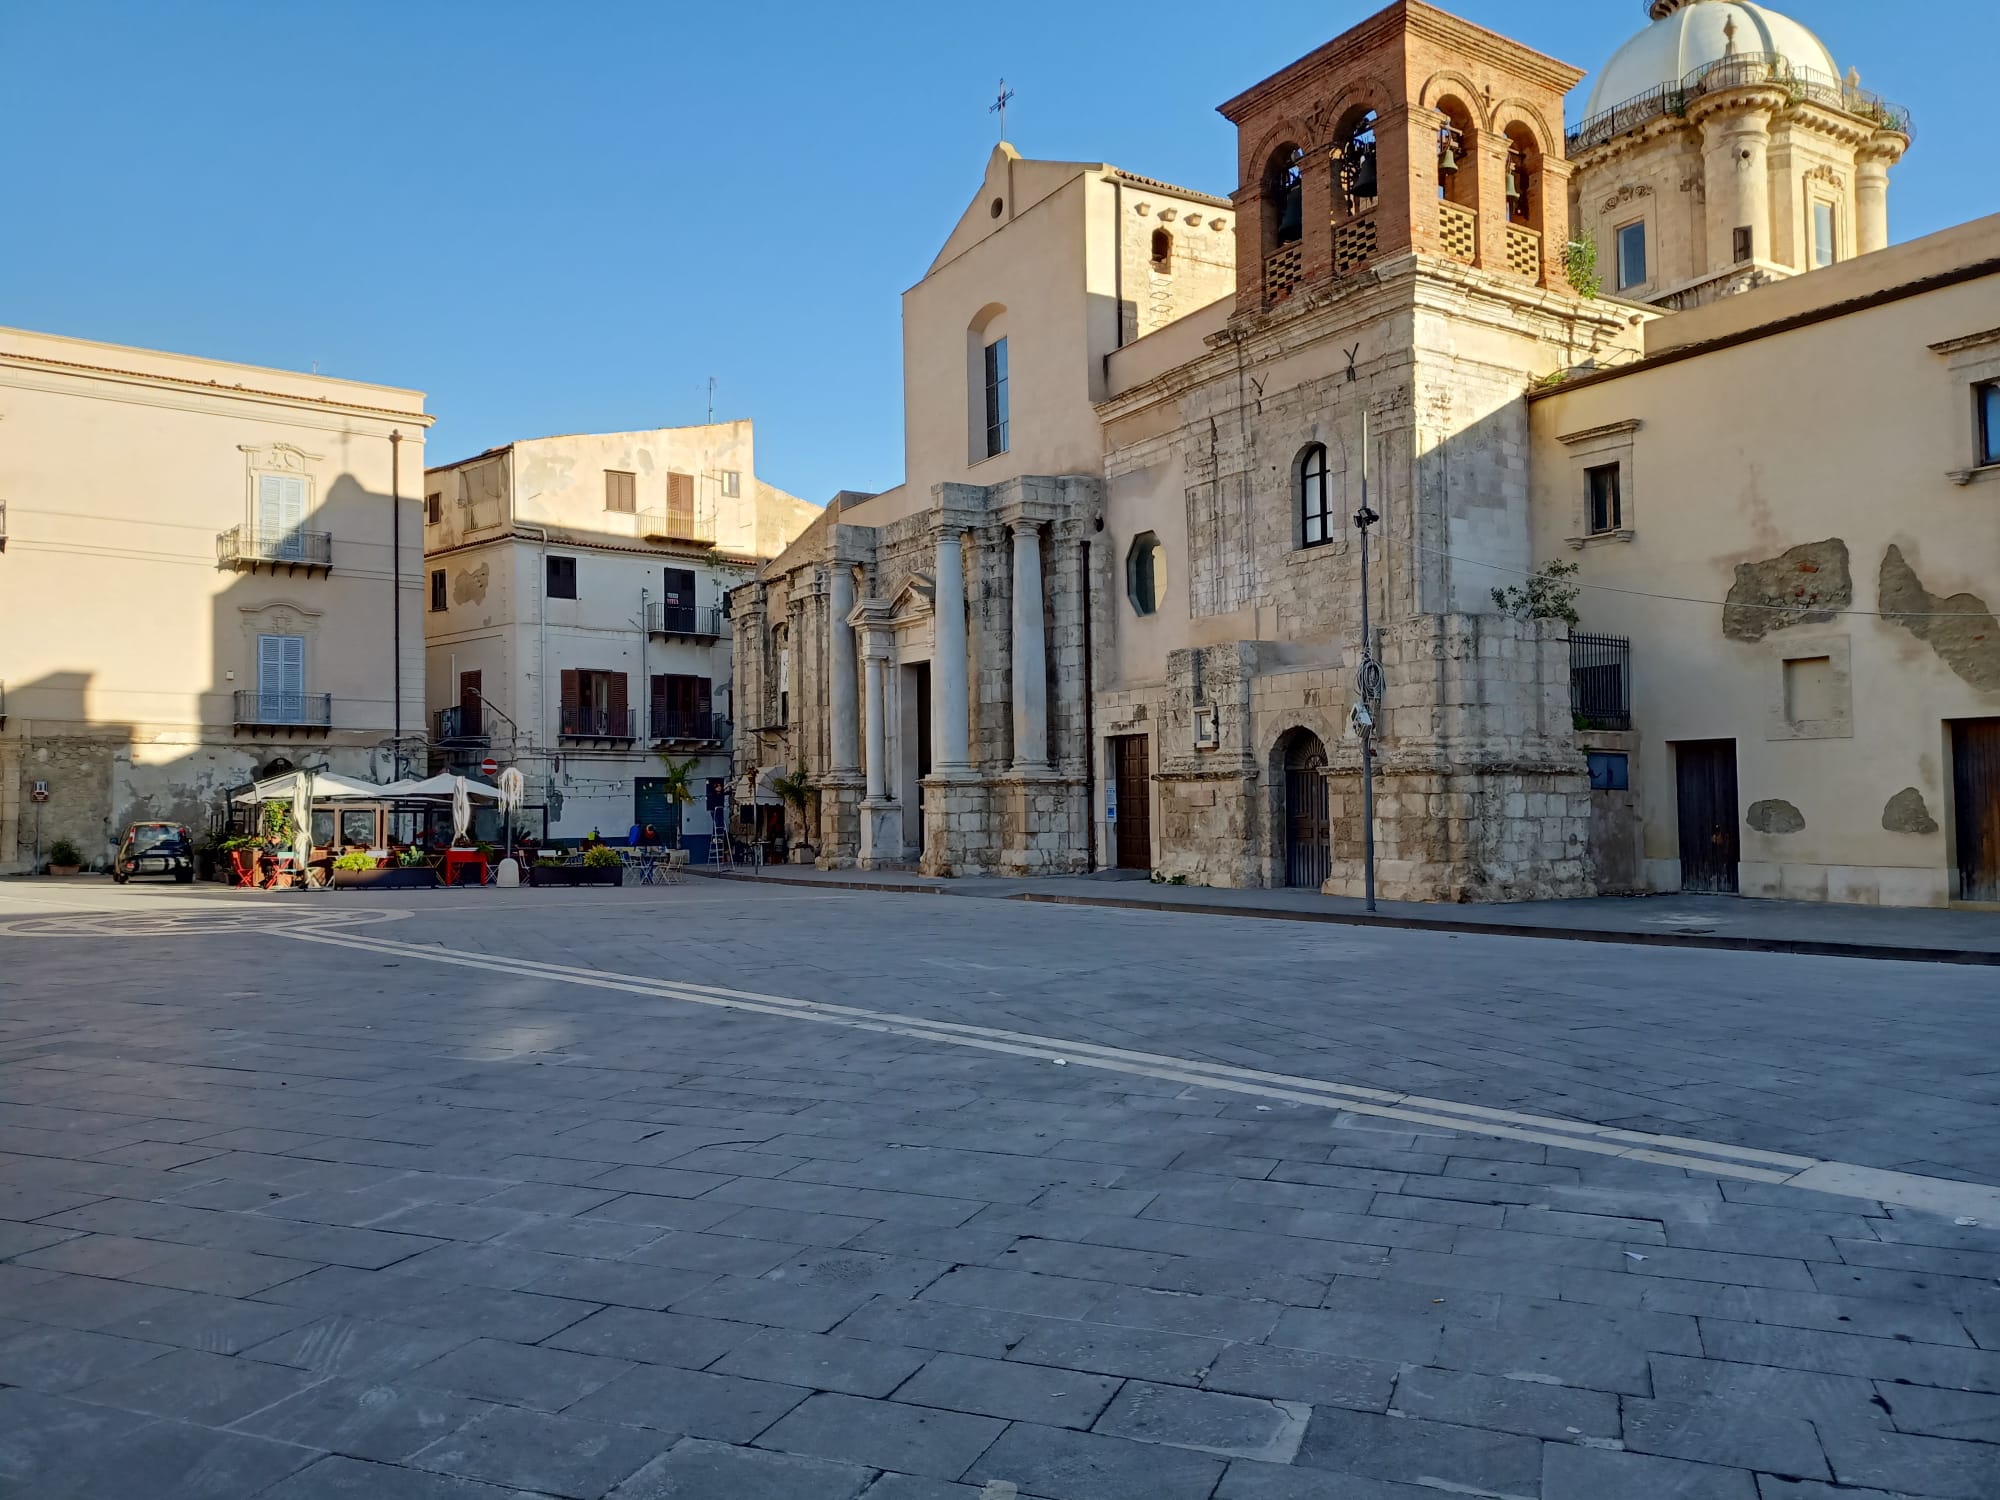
562	578
437	591
1745	244
1606	508
1632	254
621	490
1811	693
732	483
1610	771
1988	397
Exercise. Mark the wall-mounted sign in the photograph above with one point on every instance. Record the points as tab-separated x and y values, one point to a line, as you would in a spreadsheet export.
40	793
1207	732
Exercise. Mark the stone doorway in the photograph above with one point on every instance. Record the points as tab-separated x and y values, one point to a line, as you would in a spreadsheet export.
1710	832
1975	778
914	744
1132	785
1308	834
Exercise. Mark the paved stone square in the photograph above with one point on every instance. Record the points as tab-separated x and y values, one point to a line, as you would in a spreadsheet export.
794	1194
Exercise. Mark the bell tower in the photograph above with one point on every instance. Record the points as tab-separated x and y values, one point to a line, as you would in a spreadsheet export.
1414	131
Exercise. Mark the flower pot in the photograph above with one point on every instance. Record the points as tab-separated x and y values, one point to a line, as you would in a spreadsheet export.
399	878
576	875
65	869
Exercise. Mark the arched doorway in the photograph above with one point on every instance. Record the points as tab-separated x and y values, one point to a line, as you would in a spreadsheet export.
1308	837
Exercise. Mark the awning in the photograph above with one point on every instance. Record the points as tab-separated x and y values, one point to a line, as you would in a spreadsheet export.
756	789
327	786
437	786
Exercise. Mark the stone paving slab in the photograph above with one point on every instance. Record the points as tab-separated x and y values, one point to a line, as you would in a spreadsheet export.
422	1232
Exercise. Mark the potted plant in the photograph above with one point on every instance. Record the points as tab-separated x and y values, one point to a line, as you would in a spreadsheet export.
797	791
64	858
358	871
600	866
677	786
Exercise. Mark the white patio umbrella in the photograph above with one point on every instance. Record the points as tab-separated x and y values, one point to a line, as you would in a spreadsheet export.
302	833
461	810
513	789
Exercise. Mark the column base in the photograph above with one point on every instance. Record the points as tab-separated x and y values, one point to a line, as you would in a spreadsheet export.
881	835
959	836
1041	823
839	820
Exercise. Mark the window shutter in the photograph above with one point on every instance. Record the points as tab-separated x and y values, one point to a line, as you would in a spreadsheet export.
680	504
703	699
615	702
571	693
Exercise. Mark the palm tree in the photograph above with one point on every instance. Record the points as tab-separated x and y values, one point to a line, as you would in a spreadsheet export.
797	789
677	785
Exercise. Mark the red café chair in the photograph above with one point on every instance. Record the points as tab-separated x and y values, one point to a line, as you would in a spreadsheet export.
243	875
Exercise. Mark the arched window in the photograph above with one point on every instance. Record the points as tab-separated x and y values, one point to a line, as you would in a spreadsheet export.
1355	183
1284	194
1145	573
1315	498
1523	166
1163	250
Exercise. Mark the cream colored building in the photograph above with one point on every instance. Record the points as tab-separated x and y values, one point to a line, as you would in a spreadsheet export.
199	581
574	621
1805	557
1128	630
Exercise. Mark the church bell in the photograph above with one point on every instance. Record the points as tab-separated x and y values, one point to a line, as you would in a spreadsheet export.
1448	158
1365	185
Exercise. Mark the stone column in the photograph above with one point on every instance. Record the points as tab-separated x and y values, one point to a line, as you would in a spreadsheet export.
950	705
878	749
842	710
1871	190
1031	671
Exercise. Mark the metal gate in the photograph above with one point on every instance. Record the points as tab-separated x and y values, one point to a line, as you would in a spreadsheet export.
1308	836
1975	788
1131	776
1705	783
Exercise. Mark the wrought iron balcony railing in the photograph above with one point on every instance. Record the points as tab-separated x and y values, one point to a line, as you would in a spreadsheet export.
459	722
1803	85
1600	681
600	724
261	710
703	622
669	724
248	547
677	525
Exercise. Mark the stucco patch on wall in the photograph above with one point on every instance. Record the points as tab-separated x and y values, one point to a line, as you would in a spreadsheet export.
1906	813
1961	629
1775	815
1802	585
468	585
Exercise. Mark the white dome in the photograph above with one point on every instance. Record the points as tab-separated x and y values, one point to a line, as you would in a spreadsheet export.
1691	34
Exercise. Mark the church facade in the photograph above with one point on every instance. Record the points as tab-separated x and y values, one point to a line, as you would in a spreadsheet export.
1115	615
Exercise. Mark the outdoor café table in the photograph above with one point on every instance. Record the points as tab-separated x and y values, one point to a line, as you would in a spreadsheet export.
454	858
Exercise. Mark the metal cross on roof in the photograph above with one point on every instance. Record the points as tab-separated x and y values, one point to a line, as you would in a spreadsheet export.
999	107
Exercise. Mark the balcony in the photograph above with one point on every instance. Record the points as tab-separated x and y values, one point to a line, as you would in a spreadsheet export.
246	549
295	713
1524	251
458	724
696	622
1740	70
677	525
1600	681
1353	243
1458	231
1282	270
673	726
614	726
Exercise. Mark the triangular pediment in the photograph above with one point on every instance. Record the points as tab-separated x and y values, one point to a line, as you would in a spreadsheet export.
915	600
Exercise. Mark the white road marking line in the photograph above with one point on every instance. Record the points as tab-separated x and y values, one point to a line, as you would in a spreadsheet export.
1717	1159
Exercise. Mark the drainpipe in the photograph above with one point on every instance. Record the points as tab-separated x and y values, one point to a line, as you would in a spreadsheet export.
396	598
1089	730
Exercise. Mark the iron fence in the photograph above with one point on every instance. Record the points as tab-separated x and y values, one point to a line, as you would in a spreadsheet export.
247	544
1741	70
684	619
1600	681
600	724
310	710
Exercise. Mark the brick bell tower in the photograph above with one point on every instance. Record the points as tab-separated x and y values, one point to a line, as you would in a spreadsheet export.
1413	131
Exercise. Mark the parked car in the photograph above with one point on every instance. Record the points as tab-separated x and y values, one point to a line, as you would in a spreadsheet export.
155	849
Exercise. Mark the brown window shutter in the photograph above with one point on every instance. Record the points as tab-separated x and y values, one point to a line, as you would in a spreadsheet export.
703	698
615	697
680	504
620	490
571	694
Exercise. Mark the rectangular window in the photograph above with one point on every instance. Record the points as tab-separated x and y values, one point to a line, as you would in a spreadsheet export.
1632	255
281	516
1745	247
680	505
281	679
562	578
1811	695
437	591
732	483
433	507
1606	511
1823	242
1988	396
621	490
996	397
1609	771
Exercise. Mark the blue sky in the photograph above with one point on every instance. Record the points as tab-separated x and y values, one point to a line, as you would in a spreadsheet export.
566	218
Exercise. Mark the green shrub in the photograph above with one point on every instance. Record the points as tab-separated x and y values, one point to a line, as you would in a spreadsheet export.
597	857
355	861
63	852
